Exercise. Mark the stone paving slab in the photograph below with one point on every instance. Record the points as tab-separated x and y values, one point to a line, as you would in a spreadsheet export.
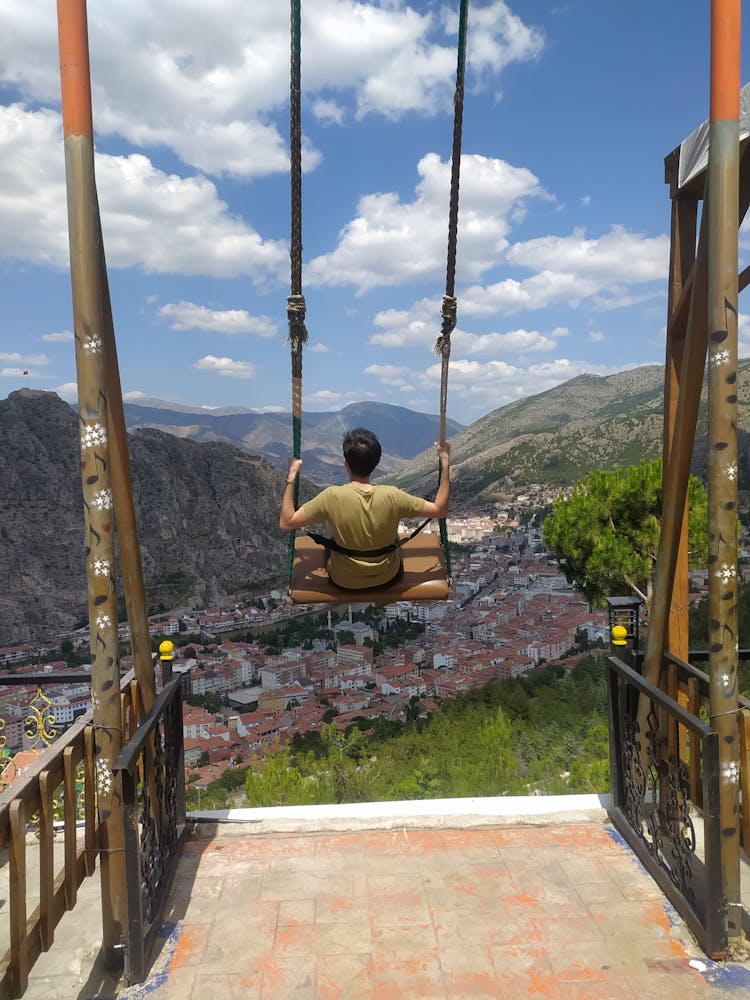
504	912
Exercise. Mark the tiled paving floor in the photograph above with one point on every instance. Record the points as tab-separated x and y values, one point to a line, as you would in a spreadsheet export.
502	912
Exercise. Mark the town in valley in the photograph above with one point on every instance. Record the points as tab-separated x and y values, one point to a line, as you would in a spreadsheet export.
244	691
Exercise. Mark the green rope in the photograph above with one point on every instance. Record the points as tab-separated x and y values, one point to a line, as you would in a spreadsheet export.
297	443
444	537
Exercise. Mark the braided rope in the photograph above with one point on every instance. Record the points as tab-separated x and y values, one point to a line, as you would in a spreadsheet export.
450	309
295	303
295	149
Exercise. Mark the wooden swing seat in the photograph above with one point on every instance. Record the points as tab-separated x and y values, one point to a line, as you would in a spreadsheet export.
423	579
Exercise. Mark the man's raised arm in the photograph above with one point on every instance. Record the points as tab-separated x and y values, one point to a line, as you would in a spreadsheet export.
439	506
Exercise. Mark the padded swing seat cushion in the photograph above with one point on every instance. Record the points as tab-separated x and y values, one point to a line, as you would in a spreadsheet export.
423	578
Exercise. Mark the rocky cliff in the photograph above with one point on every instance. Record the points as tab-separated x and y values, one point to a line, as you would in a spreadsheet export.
207	518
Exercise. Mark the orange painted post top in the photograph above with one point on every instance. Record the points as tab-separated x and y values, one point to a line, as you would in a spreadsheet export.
725	59
75	74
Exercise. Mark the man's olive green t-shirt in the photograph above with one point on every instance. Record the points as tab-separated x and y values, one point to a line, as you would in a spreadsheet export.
363	518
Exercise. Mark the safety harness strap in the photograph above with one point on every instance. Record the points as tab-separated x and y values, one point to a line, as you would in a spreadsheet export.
329	543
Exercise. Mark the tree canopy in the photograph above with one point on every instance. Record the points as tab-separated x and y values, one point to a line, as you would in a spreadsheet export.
606	533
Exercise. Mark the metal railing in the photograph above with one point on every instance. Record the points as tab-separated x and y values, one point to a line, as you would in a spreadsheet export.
49	825
690	687
34	912
665	797
151	766
57	793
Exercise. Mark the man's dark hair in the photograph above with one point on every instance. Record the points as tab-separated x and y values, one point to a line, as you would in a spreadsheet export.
361	450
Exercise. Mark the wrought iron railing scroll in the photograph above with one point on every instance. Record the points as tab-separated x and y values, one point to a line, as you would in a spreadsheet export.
665	798
153	789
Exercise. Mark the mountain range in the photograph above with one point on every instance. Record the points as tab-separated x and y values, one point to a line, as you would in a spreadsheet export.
557	437
403	433
207	486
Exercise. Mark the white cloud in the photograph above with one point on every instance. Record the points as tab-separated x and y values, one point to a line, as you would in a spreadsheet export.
486	386
225	366
420	327
68	391
327	399
25	359
420	74
743	335
158	221
378	247
64	337
573	268
133	395
328	112
192	76
499	37
393	375
519	342
318	348
596	337
168	224
189	316
619	254
481	386
32	187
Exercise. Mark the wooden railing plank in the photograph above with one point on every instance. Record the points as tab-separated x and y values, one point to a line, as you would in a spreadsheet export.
46	860
6	984
91	828
19	958
744	727
694	770
70	811
31	793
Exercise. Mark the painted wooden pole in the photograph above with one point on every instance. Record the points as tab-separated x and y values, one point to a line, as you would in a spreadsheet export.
131	566
723	200
86	284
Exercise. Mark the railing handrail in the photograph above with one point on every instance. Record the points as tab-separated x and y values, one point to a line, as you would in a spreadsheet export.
128	757
686	718
25	783
23	786
41	679
700	675
703	654
51	677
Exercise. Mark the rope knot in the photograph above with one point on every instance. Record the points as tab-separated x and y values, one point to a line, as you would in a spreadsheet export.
295	313
449	310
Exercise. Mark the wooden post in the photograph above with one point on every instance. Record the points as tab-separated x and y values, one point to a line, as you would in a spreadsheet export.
86	284
723	593
677	473
681	264
744	723
122	493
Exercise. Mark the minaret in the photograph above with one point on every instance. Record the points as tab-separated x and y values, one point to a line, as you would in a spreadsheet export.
329	619
350	614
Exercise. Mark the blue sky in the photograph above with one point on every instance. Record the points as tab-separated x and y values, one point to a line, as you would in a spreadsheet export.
570	110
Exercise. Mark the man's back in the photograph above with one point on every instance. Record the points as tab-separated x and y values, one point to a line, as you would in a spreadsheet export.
363	518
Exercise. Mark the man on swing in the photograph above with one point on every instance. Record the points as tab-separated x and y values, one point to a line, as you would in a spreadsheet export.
363	518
